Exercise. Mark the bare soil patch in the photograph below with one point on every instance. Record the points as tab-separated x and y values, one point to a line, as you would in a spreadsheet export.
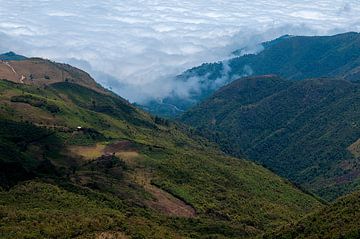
119	147
163	201
355	148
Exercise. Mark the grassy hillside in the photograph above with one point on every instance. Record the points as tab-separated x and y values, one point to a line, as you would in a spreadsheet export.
290	57
339	220
301	130
79	162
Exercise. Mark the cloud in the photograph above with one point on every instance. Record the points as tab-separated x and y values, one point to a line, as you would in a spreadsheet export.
138	46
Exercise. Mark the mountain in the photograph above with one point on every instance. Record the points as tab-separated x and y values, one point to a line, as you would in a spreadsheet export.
290	57
77	161
338	220
307	131
37	71
11	56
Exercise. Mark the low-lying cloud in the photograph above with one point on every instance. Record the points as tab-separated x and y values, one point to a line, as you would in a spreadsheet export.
136	47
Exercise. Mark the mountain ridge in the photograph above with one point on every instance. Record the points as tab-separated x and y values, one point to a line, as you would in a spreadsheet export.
45	72
295	57
267	118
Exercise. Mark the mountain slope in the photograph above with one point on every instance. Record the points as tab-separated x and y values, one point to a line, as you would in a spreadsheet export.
73	151
37	71
301	130
339	220
290	57
305	57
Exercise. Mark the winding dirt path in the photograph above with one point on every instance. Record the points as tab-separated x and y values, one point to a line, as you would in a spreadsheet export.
12	68
21	79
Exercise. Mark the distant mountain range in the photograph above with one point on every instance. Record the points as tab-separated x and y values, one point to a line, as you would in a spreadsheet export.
290	57
11	56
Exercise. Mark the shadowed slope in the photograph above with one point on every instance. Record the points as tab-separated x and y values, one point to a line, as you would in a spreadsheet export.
301	130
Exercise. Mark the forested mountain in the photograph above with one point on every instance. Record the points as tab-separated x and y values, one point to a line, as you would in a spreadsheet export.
290	57
307	131
338	220
77	161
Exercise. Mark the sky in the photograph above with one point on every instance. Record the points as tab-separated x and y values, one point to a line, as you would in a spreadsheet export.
136	47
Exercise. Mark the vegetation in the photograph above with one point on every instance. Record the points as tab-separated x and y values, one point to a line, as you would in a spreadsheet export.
301	130
41	210
36	102
290	57
61	190
339	220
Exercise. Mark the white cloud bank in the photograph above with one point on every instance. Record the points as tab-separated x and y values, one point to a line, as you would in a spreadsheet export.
137	46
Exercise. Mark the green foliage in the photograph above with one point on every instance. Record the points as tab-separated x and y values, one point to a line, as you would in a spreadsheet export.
223	188
304	57
23	147
36	102
290	57
339	220
111	105
301	130
43	210
233	198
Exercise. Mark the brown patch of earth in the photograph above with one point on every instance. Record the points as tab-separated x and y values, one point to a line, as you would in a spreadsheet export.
88	152
123	149
36	71
163	201
118	147
355	149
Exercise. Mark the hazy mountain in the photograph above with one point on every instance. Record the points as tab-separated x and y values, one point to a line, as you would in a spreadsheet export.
11	56
79	161
290	57
306	131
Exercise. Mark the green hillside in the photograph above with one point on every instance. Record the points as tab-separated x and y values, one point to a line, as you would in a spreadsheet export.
290	57
301	130
79	163
339	220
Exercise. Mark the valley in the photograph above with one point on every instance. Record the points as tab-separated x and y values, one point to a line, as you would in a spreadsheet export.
273	155
100	166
